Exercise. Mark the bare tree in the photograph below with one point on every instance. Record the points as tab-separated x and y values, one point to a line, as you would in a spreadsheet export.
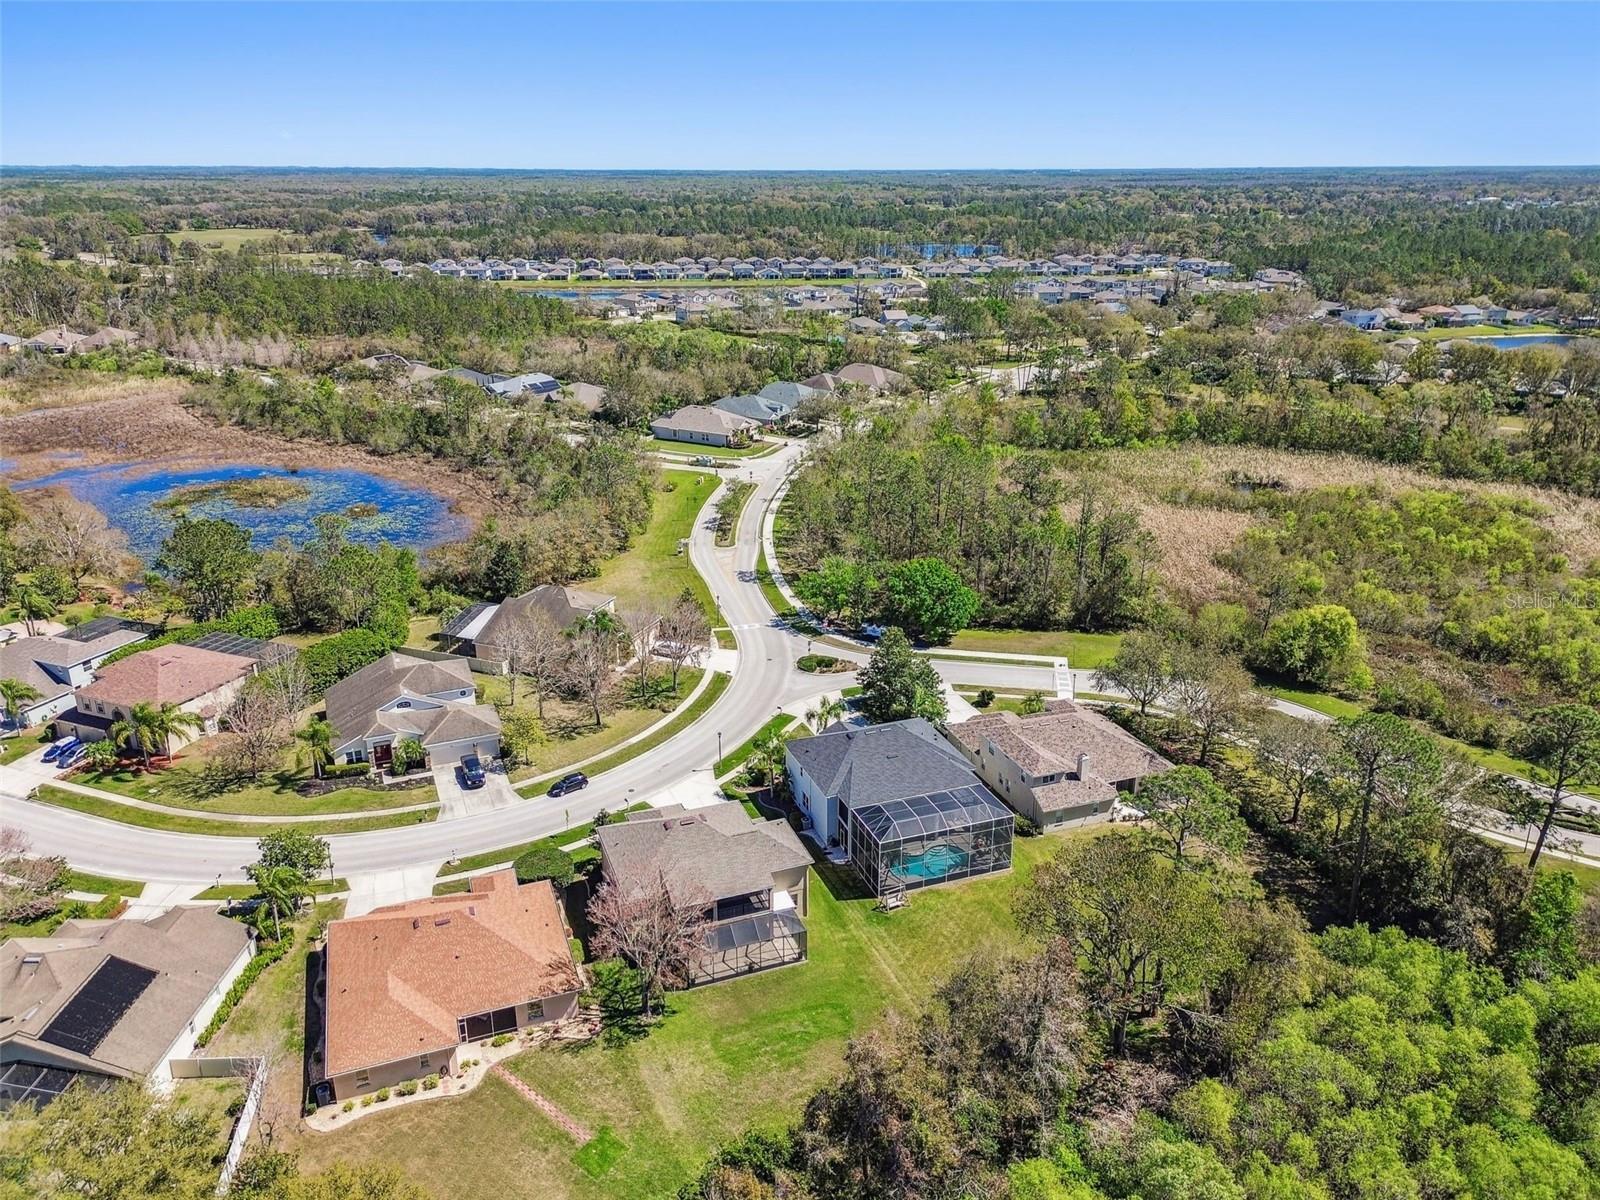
660	935
685	635
261	718
534	649
1213	697
67	533
642	621
29	887
587	669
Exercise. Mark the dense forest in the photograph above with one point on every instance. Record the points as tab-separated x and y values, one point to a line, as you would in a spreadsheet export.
1357	229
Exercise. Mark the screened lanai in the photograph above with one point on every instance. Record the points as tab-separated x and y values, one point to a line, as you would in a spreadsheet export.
900	845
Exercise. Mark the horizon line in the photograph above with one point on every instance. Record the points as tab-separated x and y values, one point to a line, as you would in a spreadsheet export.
771	170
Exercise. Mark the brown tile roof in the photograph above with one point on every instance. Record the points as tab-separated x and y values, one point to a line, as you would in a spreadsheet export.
1050	742
400	977
168	674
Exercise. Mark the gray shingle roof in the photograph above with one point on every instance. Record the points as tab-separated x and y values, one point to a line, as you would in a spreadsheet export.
882	762
353	703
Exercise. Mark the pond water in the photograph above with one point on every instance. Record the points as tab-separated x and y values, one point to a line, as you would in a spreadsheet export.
130	495
1527	339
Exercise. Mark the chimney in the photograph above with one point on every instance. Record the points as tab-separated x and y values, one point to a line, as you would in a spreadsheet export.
1083	766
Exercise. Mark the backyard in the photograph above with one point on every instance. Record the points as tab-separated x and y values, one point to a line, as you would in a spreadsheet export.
729	1056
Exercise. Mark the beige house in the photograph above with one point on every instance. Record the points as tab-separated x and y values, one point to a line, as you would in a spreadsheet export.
410	985
1064	765
105	1000
403	698
705	426
198	681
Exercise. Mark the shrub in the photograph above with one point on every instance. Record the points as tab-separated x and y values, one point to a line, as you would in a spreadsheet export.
383	1094
366	1102
985	697
349	1106
330	660
545	861
501	1039
821	663
308	1108
1024	827
406	1087
1317	645
260	621
430	1082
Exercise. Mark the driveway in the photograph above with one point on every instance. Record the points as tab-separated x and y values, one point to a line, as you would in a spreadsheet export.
456	801
19	778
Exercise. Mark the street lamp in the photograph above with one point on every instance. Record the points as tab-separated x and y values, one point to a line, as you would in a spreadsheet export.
719	752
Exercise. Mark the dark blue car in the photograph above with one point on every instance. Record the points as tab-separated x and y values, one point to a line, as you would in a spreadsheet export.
472	775
569	783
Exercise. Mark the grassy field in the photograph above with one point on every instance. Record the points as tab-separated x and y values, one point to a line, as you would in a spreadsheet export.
22	744
652	569
1082	650
1331	706
110	810
224	239
570	726
730	1056
735	758
1439	333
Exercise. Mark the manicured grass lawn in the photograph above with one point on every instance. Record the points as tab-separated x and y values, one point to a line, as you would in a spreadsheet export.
1439	333
671	446
719	683
183	785
652	569
730	1056
104	885
173	823
247	891
1082	650
1322	702
735	758
422	633
569	727
786	612
742	491
23	744
479	862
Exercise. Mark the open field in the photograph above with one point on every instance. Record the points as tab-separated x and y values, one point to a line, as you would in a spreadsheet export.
231	238
1443	333
652	569
730	1056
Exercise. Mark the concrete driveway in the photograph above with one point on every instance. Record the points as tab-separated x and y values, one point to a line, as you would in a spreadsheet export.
456	801
26	773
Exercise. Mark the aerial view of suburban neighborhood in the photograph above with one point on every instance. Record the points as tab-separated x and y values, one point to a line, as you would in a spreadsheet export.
733	629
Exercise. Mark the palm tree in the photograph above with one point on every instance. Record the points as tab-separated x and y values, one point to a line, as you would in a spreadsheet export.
316	744
827	710
33	606
14	693
148	725
768	750
282	888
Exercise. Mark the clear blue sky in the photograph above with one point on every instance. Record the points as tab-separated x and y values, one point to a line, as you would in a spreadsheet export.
759	86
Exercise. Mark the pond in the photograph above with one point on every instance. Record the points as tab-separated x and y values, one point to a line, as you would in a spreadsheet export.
144	500
1527	339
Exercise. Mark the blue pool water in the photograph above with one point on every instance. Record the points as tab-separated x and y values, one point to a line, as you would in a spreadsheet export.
128	492
933	863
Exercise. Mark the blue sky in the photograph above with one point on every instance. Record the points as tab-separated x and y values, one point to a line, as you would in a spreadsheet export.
760	86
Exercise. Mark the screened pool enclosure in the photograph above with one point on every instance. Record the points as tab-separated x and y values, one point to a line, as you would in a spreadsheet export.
900	845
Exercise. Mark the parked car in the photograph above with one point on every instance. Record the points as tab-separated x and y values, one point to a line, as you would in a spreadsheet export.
574	782
472	775
72	757
703	460
59	747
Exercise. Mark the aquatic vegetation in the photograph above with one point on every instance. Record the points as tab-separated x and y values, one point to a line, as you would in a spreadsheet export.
267	491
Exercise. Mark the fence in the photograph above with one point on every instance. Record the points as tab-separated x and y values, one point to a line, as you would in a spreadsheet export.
254	1070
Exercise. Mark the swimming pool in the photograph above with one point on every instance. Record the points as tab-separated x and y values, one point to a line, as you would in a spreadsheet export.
935	862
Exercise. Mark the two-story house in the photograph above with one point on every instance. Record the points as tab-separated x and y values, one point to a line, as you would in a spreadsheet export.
55	666
750	876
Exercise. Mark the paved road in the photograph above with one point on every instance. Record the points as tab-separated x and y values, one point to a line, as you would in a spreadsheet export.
765	681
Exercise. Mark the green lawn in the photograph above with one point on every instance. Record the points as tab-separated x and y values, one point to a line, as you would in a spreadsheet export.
719	683
479	862
671	446
1322	702
730	1056
786	612
174	823
651	568
1444	333
247	891
104	885
29	740
226	239
1083	650
741	491
184	785
735	758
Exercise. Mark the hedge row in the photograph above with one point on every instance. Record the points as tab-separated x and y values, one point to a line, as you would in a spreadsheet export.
252	969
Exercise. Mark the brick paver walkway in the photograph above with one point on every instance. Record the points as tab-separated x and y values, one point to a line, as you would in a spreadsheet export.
577	1131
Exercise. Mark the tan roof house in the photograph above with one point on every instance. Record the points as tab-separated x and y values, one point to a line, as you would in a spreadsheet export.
481	629
706	426
1065	764
410	984
203	682
106	1000
868	375
107	335
58	339
402	698
750	875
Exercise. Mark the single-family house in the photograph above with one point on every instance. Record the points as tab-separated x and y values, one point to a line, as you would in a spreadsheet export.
756	408
749	875
783	392
1363	318
194	680
106	335
481	630
865	326
1467	314
1437	314
900	803
702	425
58	339
869	375
1495	314
1065	765
101	1001
57	665
402	698
399	364
531	384
10	343
409	985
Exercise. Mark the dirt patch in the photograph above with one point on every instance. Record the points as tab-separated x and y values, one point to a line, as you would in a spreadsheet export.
149	423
